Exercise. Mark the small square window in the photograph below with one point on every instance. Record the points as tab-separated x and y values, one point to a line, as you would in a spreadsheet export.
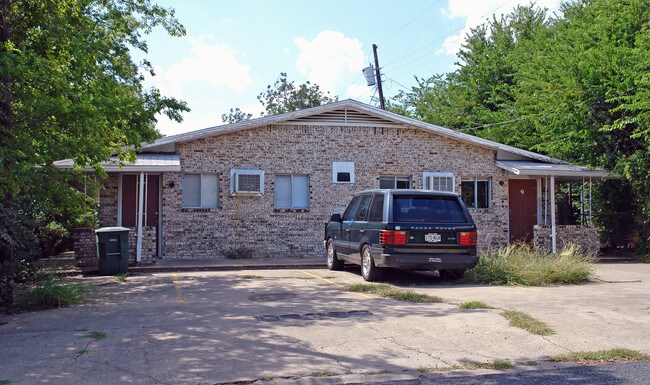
343	172
246	182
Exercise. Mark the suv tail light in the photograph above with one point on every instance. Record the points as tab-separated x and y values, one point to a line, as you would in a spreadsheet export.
467	238
392	237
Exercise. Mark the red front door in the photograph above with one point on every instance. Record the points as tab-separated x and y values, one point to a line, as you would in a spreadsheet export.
130	200
522	197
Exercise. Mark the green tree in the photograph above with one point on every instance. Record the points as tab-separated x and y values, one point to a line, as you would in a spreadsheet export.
235	116
284	96
69	89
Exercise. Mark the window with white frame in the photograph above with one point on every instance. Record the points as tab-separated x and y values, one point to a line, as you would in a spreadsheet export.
438	181
395	182
343	172
200	191
292	191
246	182
476	192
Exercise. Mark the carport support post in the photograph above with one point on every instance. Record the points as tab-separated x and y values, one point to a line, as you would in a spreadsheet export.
138	247
553	234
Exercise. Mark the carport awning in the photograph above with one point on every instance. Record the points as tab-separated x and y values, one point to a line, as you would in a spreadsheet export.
568	171
143	163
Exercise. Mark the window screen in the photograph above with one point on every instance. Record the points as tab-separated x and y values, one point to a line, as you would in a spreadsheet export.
392	182
200	191
476	192
439	181
292	191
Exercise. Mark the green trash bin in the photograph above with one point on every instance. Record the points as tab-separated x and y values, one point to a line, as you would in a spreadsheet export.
113	250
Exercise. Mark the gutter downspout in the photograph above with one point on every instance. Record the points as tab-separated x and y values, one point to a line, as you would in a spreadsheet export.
138	247
553	233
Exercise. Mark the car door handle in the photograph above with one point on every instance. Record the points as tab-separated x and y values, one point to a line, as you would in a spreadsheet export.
362	230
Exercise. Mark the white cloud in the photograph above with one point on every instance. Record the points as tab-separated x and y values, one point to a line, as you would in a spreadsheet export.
478	12
216	65
328	58
356	91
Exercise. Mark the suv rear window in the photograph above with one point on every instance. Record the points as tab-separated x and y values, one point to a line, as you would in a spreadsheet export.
430	209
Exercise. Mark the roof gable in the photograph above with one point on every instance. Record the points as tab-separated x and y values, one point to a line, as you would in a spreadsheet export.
346	112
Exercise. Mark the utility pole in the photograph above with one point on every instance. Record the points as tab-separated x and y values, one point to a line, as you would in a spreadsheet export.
378	73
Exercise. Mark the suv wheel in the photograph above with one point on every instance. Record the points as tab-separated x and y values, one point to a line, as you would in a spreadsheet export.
333	263
369	271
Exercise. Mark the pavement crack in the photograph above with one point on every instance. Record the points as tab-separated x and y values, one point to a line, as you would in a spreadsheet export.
132	372
556	344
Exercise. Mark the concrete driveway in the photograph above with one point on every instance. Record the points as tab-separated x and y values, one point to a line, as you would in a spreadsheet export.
232	326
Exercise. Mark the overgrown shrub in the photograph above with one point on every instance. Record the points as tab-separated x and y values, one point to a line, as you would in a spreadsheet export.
51	292
523	265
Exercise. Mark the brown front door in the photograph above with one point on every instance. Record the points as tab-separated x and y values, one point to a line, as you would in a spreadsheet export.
522	197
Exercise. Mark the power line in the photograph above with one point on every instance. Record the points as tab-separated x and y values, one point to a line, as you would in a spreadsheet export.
447	35
412	20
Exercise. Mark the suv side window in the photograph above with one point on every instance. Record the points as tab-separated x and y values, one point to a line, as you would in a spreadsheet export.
362	213
377	209
351	211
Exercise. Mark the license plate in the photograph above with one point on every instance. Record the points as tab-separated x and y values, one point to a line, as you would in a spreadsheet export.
432	237
435	259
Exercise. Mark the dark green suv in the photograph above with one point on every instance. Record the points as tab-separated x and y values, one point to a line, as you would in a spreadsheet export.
406	229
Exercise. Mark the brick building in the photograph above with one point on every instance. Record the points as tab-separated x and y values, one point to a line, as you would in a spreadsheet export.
267	186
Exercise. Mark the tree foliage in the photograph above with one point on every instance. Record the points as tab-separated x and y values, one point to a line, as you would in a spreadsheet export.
70	89
574	86
284	96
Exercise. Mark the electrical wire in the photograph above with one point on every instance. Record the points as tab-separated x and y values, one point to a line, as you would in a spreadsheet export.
411	21
447	35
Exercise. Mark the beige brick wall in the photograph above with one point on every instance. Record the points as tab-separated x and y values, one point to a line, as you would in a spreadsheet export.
252	221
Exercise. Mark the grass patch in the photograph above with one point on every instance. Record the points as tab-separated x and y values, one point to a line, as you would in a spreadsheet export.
52	292
390	292
82	352
324	373
496	365
376	372
249	276
5	382
96	335
523	265
121	277
521	320
474	305
602	356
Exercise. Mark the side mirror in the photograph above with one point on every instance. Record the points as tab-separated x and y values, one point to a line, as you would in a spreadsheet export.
336	218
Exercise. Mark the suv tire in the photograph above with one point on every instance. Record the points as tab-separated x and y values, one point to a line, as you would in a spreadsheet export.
369	271
333	263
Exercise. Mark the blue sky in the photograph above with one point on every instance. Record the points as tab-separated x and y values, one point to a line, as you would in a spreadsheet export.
235	48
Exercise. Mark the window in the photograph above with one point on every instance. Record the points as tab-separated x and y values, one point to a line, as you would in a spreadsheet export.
476	192
292	191
343	172
351	211
400	182
246	182
438	181
420	208
200	191
376	213
362	212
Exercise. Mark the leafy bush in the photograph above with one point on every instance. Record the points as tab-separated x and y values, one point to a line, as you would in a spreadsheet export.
52	292
523	265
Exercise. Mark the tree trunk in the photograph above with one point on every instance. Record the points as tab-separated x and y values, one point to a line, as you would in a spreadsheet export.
6	124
